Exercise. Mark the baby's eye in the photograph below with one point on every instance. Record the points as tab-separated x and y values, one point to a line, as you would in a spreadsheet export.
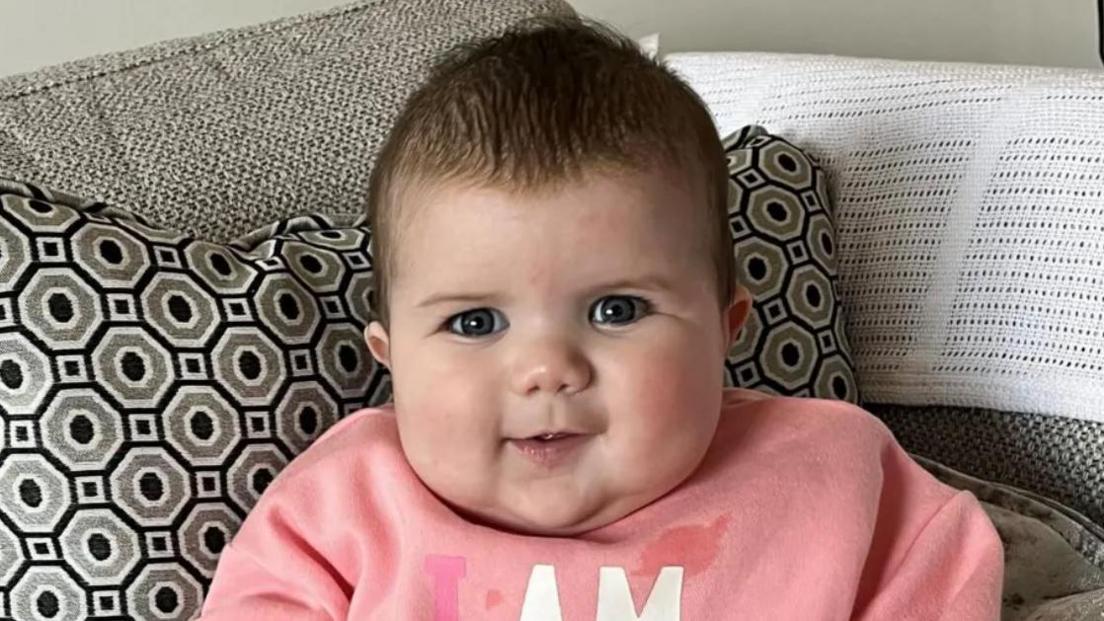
478	322
618	310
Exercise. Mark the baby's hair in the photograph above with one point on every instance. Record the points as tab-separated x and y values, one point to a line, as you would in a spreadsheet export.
540	106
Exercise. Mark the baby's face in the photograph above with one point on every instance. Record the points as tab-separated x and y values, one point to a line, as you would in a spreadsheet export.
556	358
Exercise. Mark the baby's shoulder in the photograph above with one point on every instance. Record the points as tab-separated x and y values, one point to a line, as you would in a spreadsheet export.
366	434
330	486
831	447
822	424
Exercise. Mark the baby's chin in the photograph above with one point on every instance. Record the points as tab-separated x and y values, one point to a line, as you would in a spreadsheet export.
558	522
552	515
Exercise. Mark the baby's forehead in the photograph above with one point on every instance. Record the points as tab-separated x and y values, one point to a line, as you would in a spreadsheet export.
629	209
416	196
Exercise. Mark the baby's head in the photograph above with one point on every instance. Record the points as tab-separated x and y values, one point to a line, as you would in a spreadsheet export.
555	291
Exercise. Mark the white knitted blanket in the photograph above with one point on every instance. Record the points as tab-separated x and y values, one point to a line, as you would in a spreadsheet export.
970	212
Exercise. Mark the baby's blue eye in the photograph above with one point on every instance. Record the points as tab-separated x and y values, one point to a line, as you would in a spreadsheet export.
478	322
618	310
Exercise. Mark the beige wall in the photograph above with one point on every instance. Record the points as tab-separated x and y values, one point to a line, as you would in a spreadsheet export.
35	33
1041	32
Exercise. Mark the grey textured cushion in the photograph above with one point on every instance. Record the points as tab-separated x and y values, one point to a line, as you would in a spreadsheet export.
220	134
1054	557
1055	457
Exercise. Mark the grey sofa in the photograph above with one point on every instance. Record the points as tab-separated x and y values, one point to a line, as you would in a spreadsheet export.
223	135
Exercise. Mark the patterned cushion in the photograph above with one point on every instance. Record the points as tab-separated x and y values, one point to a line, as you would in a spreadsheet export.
784	240
151	385
221	134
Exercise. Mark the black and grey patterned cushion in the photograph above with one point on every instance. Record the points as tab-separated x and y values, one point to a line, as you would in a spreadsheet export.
784	239
151	385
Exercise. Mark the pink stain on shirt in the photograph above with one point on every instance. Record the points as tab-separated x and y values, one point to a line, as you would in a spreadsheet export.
494	598
694	548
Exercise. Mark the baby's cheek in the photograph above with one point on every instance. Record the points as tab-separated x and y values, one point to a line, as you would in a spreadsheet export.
674	392
434	378
445	411
675	372
444	437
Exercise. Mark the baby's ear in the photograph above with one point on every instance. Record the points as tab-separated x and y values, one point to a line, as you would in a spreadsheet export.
379	343
736	314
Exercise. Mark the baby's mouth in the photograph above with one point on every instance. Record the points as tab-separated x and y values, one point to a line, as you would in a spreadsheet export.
545	437
550	449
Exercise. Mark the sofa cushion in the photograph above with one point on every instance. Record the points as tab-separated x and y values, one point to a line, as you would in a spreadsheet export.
151	385
220	134
784	242
1053	555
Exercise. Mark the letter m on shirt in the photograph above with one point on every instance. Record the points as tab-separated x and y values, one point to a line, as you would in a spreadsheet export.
615	603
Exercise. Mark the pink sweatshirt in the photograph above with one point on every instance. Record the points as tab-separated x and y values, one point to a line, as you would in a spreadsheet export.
803	509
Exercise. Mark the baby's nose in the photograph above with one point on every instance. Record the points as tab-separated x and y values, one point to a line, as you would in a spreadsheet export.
550	366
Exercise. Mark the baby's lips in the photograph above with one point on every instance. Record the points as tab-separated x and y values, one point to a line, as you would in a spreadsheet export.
549	434
550	453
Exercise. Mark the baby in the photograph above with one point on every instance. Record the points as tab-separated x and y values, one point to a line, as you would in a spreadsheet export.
555	297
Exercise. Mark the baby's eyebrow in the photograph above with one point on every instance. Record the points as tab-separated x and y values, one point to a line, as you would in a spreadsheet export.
453	297
647	282
654	282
